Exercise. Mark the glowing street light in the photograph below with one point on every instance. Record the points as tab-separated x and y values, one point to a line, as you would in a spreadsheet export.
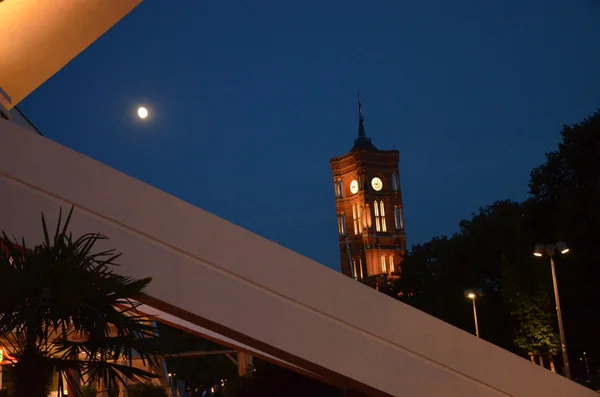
550	250
587	368
471	295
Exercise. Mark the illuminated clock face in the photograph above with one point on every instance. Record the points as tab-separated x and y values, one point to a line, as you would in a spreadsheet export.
354	187
377	184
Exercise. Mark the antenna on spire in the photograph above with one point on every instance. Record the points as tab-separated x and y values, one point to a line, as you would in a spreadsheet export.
361	118
362	141
360	112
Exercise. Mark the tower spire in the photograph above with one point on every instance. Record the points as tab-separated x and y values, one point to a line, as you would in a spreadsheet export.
361	118
362	142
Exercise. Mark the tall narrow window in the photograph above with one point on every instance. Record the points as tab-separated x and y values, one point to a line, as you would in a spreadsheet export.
340	189
354	268
391	264
395	183
367	216
354	218
336	189
360	267
401	217
383	267
382	213
398	218
359	218
342	224
377	219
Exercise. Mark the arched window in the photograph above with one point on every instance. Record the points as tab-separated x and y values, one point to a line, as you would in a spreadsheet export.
377	217
354	219
367	216
399	218
392	264
382	212
383	267
360	268
395	183
340	189
359	218
342	224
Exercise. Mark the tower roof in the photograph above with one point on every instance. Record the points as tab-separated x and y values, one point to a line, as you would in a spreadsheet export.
363	141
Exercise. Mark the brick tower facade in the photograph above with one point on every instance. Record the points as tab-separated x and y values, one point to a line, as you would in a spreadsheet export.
370	218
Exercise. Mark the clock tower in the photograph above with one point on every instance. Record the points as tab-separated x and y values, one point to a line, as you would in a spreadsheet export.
370	218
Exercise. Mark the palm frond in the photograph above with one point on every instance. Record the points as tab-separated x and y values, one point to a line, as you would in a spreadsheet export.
64	301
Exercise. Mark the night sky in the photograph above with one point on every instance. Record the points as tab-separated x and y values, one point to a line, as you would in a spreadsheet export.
250	99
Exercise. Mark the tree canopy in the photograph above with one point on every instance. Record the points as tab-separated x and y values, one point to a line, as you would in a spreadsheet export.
492	253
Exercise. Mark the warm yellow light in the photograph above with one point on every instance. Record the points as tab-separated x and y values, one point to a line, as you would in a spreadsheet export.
142	112
564	251
538	254
471	295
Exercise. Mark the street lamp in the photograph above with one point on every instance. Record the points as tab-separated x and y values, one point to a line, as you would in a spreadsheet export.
550	250
587	369
471	295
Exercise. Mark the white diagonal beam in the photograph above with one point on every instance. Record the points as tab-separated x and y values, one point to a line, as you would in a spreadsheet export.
228	280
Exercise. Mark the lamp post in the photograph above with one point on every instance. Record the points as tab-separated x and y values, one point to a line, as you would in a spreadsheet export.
471	295
173	383
550	250
587	369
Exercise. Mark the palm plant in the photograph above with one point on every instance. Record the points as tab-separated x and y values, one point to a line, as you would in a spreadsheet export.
65	310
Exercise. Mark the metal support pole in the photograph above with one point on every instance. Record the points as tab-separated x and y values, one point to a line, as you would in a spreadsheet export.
475	317
350	263
173	386
587	368
563	342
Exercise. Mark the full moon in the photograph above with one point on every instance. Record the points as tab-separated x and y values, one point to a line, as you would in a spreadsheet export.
142	112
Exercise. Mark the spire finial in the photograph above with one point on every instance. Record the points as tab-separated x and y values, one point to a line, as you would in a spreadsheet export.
362	142
360	112
361	128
